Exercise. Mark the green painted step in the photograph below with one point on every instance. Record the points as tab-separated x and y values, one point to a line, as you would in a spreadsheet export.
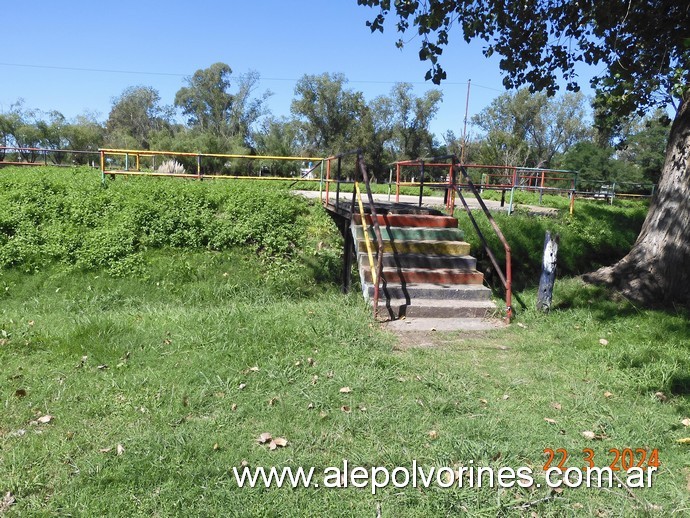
419	247
413	233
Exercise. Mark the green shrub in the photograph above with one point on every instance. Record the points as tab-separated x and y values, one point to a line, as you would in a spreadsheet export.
67	216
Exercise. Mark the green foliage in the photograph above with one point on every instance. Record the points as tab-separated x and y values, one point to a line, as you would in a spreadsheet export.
68	217
596	235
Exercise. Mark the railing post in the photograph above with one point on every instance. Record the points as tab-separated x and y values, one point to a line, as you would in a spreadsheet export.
337	184
397	183
421	182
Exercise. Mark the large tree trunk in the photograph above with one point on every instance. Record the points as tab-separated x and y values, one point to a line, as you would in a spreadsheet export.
656	272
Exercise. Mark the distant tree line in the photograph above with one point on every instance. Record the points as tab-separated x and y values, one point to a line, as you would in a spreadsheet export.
216	112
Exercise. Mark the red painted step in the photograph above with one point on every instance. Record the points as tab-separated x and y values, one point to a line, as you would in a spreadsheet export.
410	220
424	275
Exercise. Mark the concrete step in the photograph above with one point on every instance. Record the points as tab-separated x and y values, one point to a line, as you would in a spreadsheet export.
413	291
418	247
410	220
412	233
462	262
425	275
397	308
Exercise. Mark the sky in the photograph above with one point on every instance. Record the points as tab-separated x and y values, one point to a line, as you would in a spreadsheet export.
76	56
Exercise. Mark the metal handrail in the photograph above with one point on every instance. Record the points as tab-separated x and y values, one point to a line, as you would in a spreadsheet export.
367	241
376	274
507	277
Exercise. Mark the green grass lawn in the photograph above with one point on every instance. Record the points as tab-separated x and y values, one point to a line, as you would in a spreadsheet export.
161	366
152	330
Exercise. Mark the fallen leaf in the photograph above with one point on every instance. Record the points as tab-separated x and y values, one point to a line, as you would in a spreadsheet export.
311	362
608	395
661	396
323	414
44	419
105	450
233	407
272	401
120	449
506	396
686	422
483	401
330	374
345	409
345	390
684	440
250	369
102	367
433	435
298	363
310	406
523	326
6	502
281	442
20	393
556	406
244	463
242	386
362	408
264	438
603	341
314	379
589	435
549	420
216	447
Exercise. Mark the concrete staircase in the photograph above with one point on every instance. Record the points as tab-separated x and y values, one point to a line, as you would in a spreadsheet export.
427	269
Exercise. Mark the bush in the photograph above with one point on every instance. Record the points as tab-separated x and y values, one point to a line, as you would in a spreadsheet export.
67	216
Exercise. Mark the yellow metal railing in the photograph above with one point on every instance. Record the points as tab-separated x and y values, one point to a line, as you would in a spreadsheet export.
367	241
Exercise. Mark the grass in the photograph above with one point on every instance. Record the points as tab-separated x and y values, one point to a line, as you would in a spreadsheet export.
179	340
159	378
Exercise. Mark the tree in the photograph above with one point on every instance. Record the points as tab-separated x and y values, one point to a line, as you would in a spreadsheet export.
135	115
328	110
646	50
412	118
529	129
210	105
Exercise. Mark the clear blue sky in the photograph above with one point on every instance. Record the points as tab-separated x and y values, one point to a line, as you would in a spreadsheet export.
76	56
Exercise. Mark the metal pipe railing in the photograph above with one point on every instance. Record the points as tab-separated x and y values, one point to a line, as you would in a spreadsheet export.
377	230
507	277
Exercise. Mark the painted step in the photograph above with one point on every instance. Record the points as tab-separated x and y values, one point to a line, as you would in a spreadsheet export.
424	275
415	291
419	247
412	233
397	308
462	262
410	220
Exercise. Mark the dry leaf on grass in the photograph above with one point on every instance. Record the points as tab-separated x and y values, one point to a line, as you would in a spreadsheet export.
233	407
6	502
264	438
684	440
588	434
686	422
345	390
661	396
433	435
45	419
549	420
345	409
603	341
556	406
120	449
242	386
608	395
